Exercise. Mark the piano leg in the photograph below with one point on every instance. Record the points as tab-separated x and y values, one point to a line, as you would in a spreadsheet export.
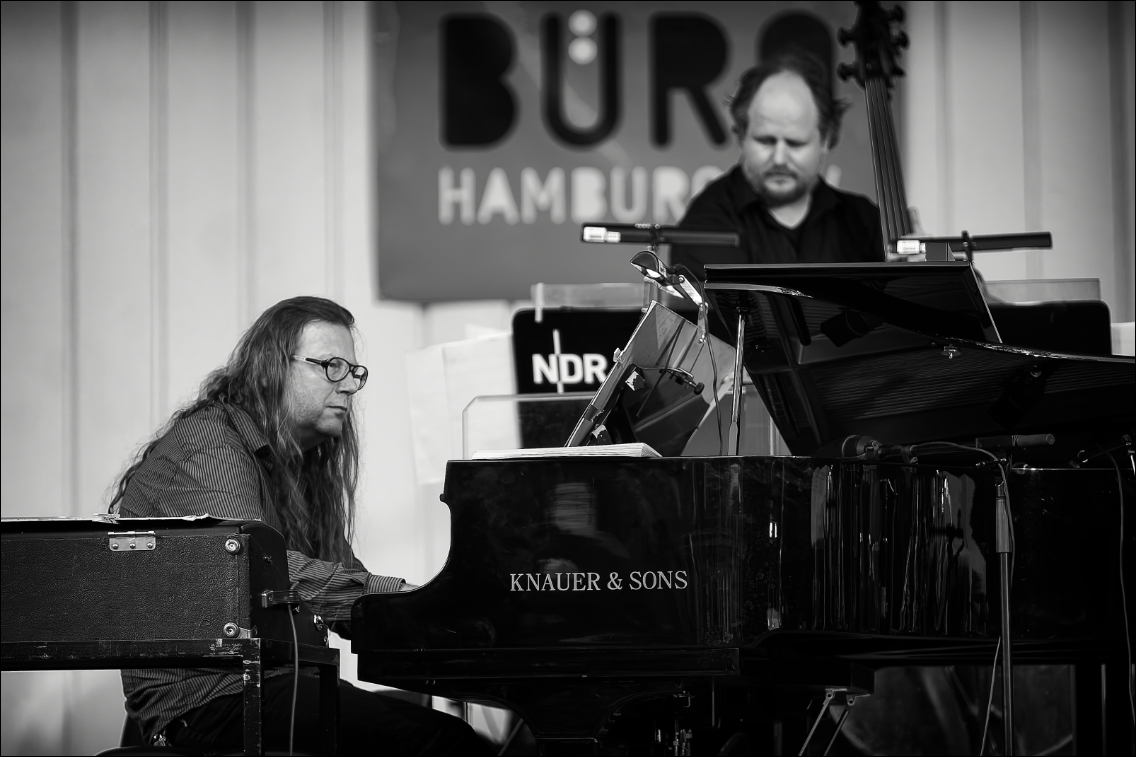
253	708
1118	730
1088	717
329	708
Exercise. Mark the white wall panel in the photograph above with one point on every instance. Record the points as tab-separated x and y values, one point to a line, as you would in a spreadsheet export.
34	718
114	256
1020	118
204	164
35	277
35	262
117	318
984	126
1075	141
925	147
290	149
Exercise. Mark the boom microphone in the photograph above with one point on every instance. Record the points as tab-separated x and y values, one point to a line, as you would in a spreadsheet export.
1014	440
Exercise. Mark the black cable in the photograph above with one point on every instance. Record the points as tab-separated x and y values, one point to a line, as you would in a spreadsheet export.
295	678
714	383
990	699
1123	597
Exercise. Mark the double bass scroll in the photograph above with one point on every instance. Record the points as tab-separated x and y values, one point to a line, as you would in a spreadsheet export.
875	69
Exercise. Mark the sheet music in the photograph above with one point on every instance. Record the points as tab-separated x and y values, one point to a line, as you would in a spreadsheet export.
633	449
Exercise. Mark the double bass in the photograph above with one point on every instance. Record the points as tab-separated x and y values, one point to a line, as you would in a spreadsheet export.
876	67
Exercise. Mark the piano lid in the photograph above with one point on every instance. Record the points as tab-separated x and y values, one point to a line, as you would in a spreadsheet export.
904	353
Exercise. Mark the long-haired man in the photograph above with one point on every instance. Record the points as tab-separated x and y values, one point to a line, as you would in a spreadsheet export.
272	436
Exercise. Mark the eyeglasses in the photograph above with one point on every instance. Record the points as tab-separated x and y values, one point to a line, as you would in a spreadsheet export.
338	369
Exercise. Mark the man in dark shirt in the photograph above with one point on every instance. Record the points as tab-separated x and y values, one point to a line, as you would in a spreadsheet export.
786	120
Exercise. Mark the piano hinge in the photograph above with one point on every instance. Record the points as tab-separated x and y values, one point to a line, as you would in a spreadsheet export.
131	541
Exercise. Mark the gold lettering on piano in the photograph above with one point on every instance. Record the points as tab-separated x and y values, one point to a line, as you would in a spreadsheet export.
587	581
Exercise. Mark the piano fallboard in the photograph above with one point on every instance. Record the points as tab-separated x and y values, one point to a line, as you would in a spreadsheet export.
584	556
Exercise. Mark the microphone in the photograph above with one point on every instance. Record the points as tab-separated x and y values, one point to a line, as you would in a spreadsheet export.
867	448
860	446
1014	440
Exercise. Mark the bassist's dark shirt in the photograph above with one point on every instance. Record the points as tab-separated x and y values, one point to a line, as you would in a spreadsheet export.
839	228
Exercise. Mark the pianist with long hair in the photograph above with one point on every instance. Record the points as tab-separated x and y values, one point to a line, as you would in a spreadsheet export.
272	436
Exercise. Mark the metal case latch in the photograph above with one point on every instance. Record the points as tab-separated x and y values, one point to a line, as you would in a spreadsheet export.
131	541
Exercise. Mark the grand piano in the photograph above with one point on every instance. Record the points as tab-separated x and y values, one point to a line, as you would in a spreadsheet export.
669	605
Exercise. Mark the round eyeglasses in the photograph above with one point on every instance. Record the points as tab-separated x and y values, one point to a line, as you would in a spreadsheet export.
338	369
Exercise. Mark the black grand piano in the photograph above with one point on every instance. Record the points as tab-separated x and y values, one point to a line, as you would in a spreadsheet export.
668	604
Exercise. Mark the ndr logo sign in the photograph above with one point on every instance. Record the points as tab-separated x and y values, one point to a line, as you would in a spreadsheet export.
561	368
582	343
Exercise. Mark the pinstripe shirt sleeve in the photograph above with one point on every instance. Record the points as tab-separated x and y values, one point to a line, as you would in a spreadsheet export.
331	588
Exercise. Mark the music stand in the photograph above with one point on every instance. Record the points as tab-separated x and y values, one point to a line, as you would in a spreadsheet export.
658	389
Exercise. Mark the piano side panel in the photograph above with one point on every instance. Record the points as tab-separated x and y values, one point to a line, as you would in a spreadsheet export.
1067	533
881	549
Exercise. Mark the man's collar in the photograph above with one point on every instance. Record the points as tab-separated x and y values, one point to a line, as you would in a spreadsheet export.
824	197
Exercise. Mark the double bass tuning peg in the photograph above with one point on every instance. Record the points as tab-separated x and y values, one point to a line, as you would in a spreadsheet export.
900	40
845	71
843	36
896	14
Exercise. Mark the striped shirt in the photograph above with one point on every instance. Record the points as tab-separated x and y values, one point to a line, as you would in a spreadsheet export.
211	464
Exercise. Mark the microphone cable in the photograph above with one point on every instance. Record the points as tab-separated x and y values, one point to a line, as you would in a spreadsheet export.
295	679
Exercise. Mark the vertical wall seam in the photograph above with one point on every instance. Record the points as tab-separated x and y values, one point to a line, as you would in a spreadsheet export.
246	200
70	234
159	210
69	44
946	128
1031	131
1122	194
333	148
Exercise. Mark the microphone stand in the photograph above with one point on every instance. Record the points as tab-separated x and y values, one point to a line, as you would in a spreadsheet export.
734	444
